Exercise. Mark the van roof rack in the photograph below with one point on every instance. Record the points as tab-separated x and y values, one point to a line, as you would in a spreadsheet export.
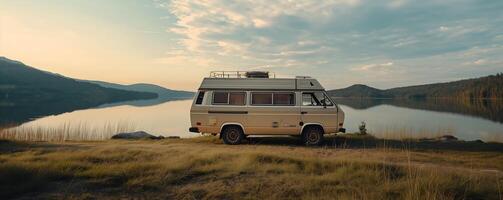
242	74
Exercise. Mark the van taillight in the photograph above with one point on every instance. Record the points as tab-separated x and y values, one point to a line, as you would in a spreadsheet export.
198	123
340	124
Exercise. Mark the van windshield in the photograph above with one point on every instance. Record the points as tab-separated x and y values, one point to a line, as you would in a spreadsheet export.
316	99
324	100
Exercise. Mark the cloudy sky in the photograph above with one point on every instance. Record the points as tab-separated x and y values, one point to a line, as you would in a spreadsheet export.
175	43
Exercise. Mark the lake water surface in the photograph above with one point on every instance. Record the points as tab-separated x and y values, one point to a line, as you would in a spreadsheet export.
384	118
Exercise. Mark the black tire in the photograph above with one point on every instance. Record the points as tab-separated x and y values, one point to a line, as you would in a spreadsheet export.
232	135
312	136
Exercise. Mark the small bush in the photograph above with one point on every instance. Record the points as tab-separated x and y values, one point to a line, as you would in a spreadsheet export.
363	129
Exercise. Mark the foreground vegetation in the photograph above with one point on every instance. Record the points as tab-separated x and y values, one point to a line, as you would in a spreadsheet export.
348	167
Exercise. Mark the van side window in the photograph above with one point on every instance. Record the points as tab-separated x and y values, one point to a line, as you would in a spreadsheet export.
200	97
284	99
220	98
229	98
309	99
261	98
273	98
237	98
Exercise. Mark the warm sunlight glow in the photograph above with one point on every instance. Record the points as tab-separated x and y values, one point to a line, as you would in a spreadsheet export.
176	43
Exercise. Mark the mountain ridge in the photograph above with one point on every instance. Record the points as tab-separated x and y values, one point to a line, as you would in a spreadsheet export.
358	91
162	92
20	83
27	92
487	87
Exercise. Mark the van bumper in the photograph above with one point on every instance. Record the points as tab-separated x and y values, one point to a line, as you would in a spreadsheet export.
194	129
343	130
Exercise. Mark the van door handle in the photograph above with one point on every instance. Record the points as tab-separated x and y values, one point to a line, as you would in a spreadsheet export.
303	112
275	124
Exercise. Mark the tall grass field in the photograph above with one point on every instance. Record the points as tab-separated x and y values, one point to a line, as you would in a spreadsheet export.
347	167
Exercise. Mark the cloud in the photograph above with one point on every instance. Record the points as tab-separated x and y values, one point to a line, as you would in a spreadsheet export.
259	23
460	30
397	3
443	28
374	67
329	37
480	62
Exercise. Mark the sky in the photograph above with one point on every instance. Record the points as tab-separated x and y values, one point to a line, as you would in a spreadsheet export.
176	43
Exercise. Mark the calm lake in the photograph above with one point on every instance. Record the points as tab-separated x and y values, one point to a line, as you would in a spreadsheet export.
469	120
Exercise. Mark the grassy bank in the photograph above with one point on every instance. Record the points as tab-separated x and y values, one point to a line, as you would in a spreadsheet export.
348	167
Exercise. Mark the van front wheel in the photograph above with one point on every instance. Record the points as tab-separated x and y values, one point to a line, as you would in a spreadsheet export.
313	136
232	135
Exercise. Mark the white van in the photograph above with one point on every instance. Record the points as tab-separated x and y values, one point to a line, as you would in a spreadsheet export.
239	104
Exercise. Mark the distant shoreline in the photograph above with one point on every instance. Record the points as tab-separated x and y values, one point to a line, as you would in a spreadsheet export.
428	98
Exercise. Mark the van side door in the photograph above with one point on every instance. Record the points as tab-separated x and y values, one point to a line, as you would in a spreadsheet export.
272	113
317	108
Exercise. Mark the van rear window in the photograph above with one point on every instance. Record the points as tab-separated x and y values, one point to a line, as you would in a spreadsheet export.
229	98
200	97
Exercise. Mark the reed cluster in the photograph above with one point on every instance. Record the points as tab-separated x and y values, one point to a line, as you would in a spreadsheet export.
68	131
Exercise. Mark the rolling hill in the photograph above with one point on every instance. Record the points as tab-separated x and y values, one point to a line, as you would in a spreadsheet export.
488	87
22	84
27	92
358	91
162	92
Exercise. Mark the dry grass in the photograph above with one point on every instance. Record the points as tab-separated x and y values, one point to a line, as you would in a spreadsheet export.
203	168
75	131
400	133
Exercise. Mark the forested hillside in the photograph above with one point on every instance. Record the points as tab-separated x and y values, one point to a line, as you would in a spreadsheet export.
489	87
164	93
24	85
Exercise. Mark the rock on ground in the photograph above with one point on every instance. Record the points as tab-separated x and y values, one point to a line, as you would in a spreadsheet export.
447	138
136	135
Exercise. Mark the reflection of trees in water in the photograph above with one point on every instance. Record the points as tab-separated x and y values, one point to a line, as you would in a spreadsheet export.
485	108
12	115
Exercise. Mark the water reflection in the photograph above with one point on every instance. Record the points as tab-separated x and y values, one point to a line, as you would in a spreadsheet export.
468	120
484	108
168	119
12	115
389	121
142	103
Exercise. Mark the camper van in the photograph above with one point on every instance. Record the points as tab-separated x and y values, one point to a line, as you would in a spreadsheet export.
236	105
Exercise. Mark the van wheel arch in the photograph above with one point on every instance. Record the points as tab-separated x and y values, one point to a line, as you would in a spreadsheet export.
312	125
230	125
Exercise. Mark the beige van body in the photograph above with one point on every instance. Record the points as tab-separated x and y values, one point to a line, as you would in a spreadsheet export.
264	106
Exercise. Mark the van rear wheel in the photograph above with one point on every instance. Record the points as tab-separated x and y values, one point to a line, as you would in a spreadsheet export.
312	136
232	135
